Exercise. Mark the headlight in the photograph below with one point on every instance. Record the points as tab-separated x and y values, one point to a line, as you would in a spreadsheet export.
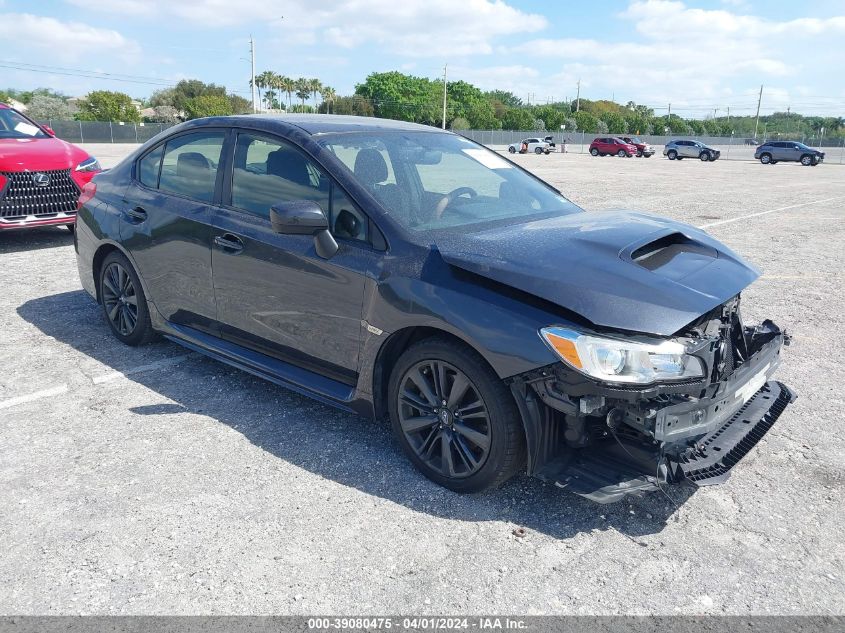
620	360
89	164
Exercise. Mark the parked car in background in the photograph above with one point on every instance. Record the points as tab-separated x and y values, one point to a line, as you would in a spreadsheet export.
529	145
403	272
690	149
772	152
612	146
41	176
551	141
643	149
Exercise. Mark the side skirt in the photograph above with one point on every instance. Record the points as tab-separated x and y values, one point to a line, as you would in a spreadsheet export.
295	378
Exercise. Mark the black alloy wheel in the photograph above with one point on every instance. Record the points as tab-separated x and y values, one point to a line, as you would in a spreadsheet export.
444	419
120	299
123	300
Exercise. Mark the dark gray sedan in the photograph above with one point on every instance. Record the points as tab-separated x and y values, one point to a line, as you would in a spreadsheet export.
404	272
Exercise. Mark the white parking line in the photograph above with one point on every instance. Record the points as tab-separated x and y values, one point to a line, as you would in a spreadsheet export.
755	215
38	395
117	375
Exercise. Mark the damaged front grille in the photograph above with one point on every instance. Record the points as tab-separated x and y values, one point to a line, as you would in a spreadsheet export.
711	459
42	193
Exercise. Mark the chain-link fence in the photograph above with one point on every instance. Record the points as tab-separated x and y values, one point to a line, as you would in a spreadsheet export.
104	132
732	148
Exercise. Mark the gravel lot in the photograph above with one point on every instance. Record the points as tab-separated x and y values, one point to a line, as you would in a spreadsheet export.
154	481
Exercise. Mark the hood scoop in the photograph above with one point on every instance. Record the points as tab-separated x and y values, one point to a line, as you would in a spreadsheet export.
673	256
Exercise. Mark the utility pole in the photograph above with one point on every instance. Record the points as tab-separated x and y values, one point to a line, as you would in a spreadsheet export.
252	59
444	95
729	116
787	120
757	119
669	116
578	98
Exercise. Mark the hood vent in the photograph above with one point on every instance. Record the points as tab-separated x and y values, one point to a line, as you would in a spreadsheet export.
676	253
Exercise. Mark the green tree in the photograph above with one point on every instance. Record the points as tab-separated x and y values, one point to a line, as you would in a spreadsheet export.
395	95
503	96
45	107
616	123
105	105
239	105
329	95
207	105
350	105
303	90
586	121
518	119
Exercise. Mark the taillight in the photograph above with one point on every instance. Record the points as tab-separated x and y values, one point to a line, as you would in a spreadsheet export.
2	181
88	192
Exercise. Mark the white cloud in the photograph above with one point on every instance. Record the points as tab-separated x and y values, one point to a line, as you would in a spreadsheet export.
688	56
23	33
413	28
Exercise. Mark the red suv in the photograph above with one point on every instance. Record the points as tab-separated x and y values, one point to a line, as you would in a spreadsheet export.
613	146
41	176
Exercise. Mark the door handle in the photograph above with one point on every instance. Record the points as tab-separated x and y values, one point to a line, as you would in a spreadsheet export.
138	214
229	243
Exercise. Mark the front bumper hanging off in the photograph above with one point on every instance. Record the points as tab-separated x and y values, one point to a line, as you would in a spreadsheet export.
605	442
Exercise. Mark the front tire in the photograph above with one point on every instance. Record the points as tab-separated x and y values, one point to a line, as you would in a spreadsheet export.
639	153
475	440
512	150
621	153
124	304
806	160
704	156
538	150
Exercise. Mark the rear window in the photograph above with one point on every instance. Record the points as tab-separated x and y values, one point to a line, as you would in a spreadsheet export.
189	165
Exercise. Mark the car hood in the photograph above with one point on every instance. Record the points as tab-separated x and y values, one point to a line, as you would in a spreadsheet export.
38	154
620	270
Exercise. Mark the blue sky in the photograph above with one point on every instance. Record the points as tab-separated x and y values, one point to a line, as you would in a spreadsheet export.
699	55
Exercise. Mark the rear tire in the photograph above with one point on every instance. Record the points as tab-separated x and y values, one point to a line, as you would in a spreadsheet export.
639	154
538	150
124	304
671	154
474	442
594	152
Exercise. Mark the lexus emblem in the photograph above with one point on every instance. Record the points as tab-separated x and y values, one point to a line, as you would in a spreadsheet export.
41	180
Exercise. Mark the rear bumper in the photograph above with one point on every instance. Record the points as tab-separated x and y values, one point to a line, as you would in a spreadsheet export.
29	222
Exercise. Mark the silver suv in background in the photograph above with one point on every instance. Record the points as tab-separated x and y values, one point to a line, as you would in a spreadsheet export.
771	152
690	149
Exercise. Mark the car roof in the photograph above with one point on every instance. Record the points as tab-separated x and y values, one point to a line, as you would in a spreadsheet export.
316	123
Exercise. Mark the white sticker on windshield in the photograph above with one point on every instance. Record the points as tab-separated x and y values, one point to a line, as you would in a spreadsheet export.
26	128
487	158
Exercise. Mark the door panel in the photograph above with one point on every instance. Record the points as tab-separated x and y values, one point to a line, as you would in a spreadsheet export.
169	234
275	294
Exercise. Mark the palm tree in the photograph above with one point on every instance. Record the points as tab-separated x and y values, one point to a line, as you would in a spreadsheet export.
288	85
328	93
303	90
314	85
263	80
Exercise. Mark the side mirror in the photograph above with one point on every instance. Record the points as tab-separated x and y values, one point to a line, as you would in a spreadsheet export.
49	130
304	217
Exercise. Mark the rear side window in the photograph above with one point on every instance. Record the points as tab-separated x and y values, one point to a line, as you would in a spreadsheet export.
189	165
149	166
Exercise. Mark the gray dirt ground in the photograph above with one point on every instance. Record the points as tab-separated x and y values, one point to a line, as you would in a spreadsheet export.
181	486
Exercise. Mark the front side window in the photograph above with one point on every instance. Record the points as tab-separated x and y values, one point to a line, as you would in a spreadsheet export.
443	181
189	165
15	125
269	171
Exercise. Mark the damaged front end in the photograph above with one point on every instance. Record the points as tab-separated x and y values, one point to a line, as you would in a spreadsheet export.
605	437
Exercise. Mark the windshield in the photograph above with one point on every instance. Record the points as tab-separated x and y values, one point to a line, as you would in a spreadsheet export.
14	125
429	181
802	146
635	140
